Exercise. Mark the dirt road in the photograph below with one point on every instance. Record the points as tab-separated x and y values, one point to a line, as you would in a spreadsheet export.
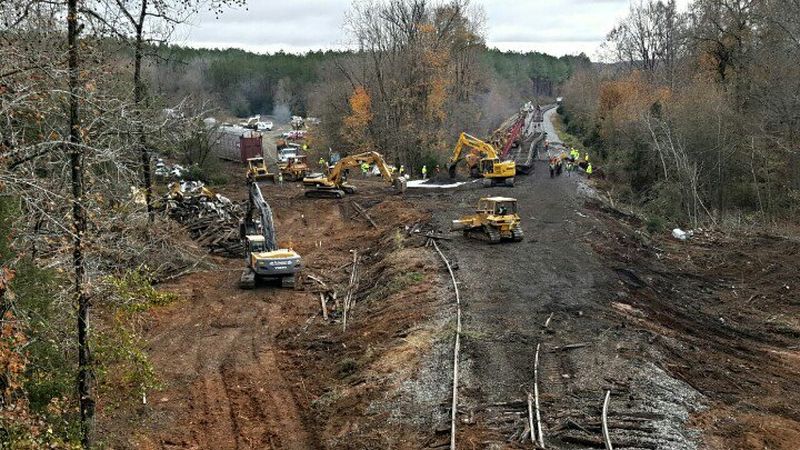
224	386
510	291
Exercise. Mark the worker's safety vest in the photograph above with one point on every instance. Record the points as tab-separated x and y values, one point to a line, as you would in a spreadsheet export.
589	169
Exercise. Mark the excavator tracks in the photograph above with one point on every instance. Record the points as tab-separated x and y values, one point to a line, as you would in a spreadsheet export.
287	282
319	193
247	280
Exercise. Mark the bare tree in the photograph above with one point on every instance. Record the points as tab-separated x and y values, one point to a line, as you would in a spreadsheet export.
650	38
415	61
144	23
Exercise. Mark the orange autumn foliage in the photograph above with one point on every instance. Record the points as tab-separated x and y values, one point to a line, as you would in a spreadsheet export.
627	99
356	125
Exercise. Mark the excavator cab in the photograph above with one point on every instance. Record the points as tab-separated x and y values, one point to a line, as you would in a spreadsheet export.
495	219
498	173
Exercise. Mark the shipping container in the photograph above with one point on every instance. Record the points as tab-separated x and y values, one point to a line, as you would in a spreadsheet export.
237	144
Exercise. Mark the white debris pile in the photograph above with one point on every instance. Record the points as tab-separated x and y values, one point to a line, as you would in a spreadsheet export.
165	170
211	219
679	234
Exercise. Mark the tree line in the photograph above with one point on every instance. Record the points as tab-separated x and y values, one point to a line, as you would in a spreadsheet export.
243	83
695	119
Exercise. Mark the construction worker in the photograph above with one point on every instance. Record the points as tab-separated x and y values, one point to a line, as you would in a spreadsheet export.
569	167
589	171
402	170
364	169
438	169
424	172
586	157
322	163
280	179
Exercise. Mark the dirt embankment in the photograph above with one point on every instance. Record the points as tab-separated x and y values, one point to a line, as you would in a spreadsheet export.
721	314
262	369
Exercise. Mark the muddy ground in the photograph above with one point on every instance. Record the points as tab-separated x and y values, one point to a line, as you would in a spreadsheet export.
696	340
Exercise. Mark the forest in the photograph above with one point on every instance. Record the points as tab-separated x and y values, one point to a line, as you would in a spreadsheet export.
243	83
691	119
698	117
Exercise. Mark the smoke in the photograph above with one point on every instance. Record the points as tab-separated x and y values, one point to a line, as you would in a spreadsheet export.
281	112
497	105
281	100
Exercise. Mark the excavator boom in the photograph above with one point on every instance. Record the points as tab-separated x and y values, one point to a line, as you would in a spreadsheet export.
333	184
485	164
258	204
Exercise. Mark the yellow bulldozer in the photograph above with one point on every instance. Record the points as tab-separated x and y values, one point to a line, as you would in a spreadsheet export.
334	183
295	168
482	161
495	219
257	170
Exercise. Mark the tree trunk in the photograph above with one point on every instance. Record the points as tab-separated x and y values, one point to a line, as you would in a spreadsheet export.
85	373
138	99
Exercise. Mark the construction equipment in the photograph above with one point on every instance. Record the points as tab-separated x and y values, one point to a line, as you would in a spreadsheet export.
495	219
257	170
295	168
262	256
482	161
297	123
334	184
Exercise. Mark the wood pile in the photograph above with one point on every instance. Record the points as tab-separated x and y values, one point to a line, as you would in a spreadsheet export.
212	220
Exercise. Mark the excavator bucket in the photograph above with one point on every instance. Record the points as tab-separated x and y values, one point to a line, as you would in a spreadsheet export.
451	170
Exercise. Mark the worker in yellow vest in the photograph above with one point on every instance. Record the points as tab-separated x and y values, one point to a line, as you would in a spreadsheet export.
589	170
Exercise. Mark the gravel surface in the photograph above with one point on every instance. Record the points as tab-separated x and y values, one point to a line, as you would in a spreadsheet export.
510	290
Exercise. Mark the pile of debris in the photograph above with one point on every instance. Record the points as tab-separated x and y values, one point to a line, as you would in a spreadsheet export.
165	170
212	219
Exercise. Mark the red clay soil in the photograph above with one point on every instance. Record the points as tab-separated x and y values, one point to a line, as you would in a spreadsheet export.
262	369
723	310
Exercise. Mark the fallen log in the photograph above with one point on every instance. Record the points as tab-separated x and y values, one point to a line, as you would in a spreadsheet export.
364	213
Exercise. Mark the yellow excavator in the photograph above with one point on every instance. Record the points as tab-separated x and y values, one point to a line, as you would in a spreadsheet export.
334	183
482	161
263	258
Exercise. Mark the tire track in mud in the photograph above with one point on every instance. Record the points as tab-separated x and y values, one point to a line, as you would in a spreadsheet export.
224	387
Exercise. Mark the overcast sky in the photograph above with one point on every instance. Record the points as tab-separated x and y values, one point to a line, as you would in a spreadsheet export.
557	27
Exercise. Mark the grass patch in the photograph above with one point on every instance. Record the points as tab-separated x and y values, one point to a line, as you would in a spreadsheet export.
346	367
396	284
